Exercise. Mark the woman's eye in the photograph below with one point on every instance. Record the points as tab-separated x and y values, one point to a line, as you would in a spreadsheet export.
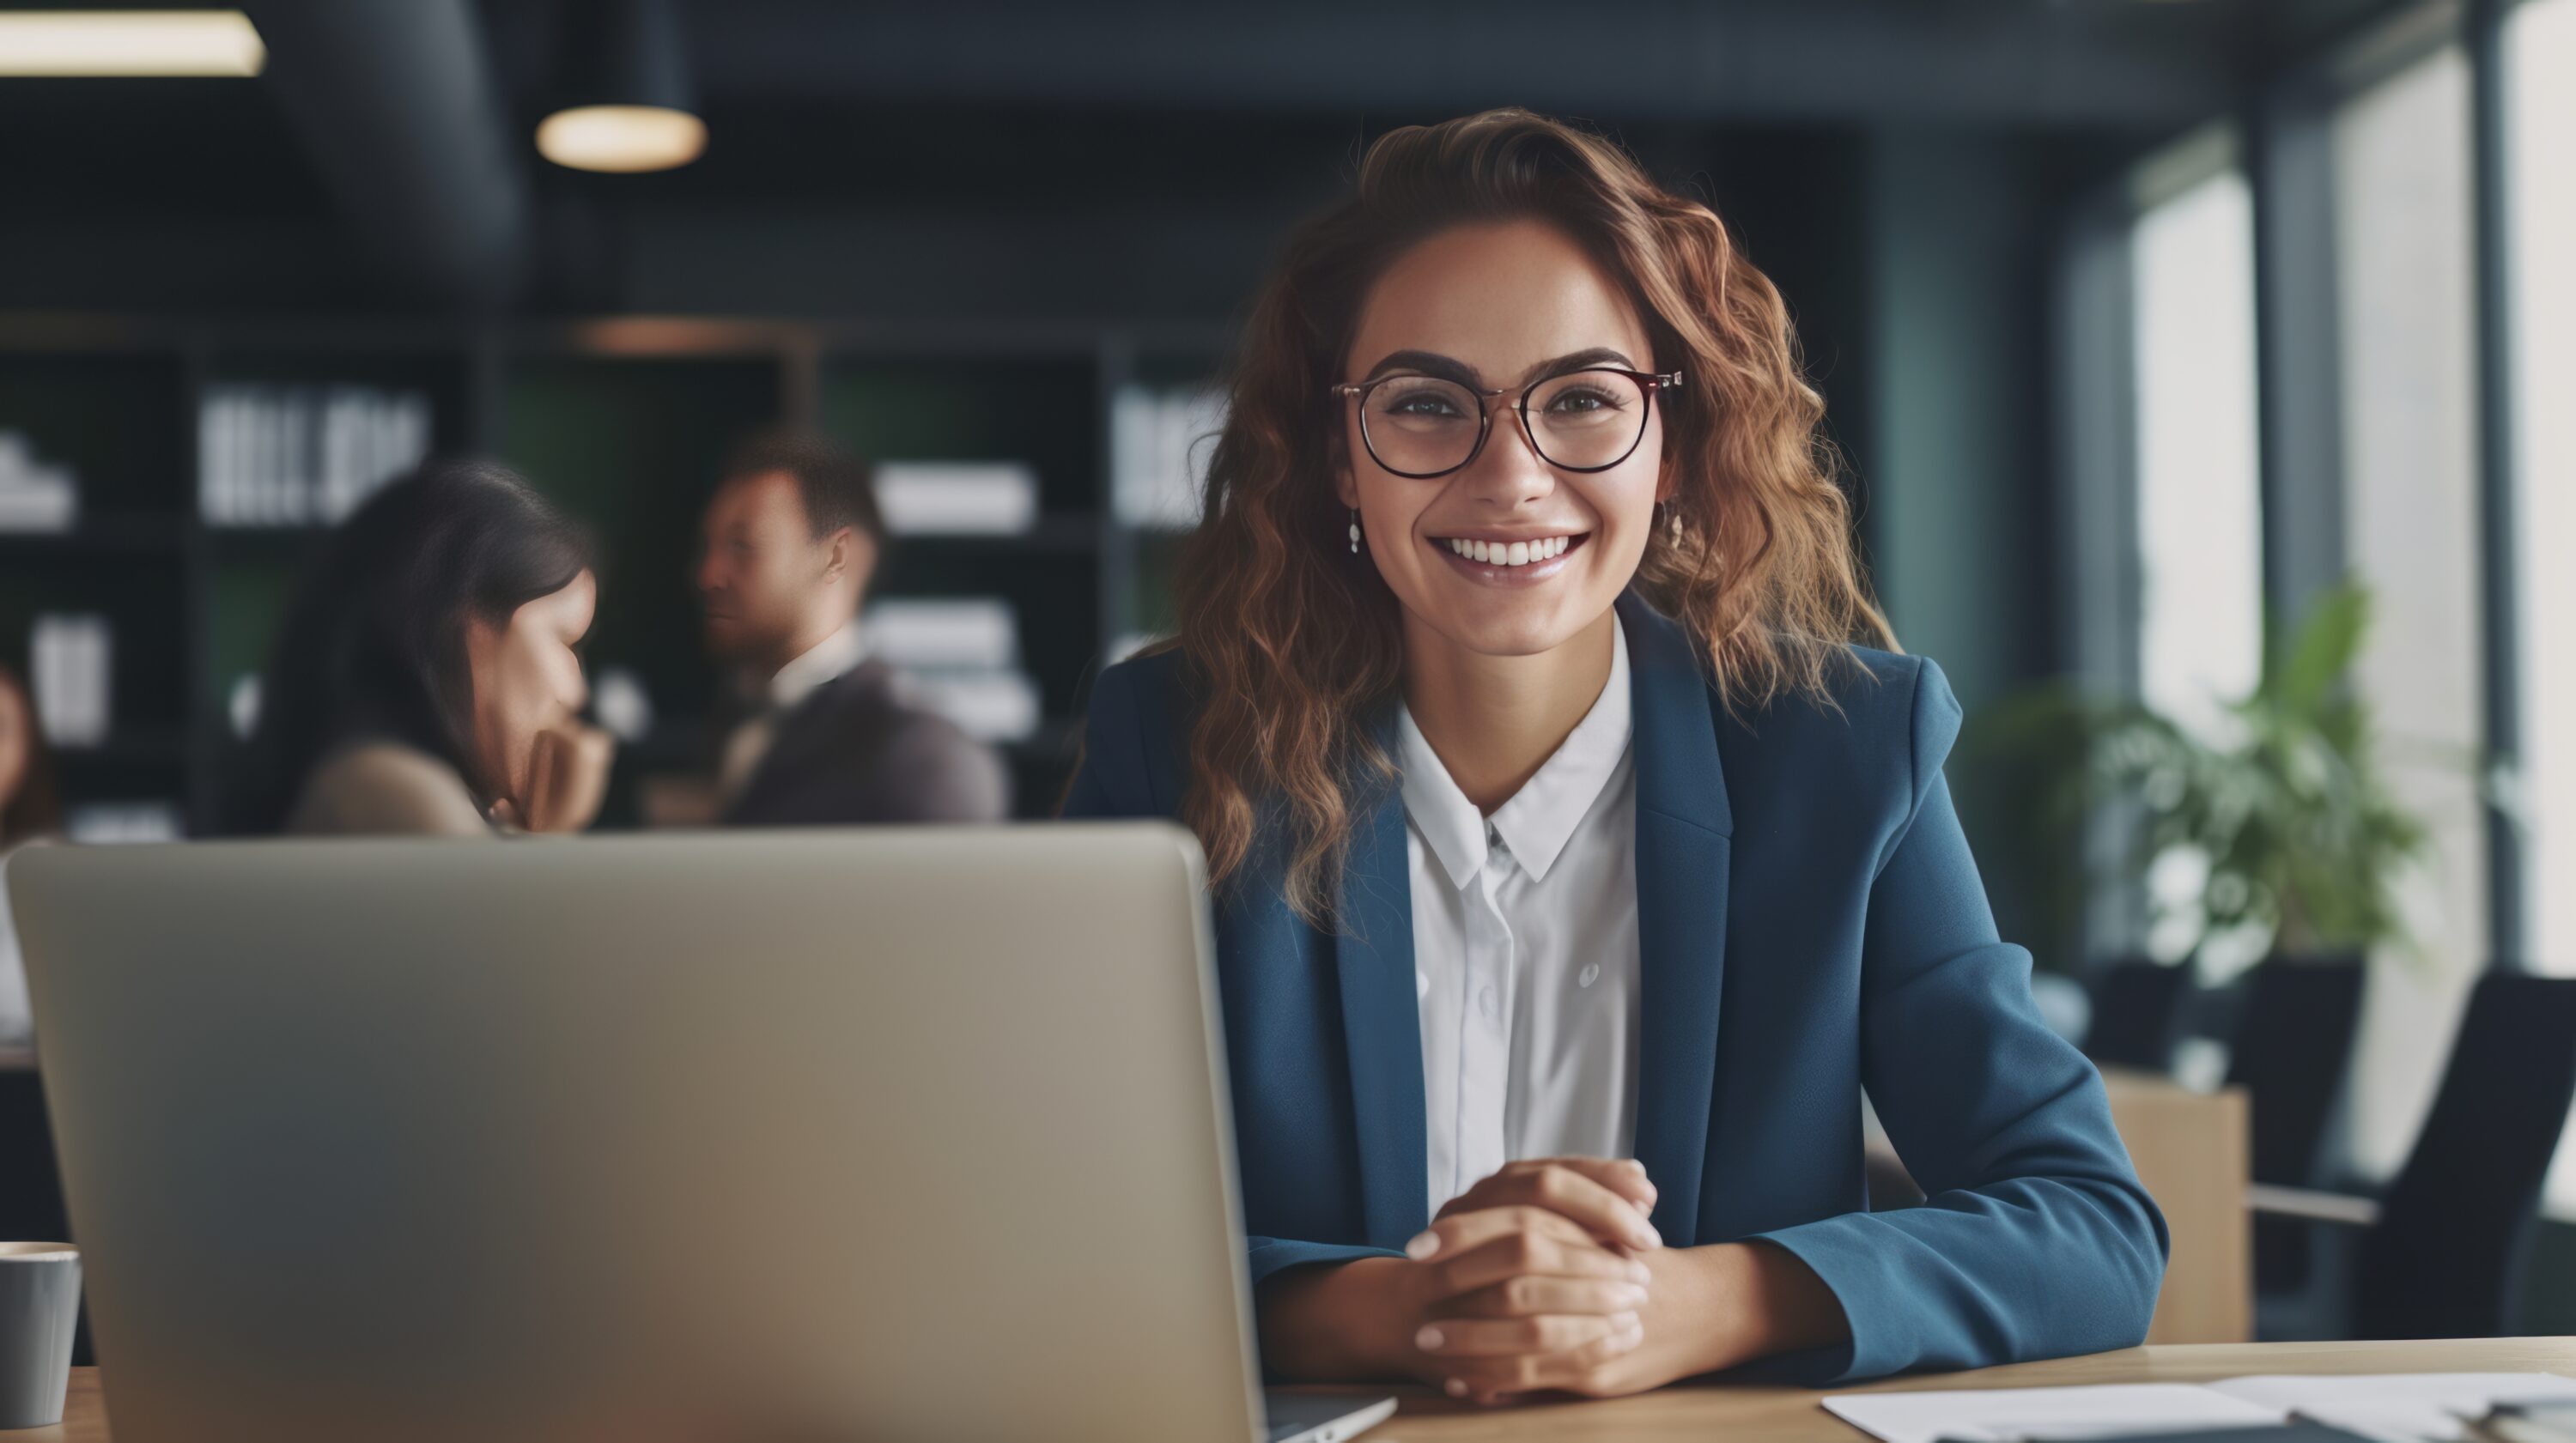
1421	403
1579	400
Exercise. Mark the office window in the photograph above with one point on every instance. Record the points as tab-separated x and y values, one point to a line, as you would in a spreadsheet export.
2199	499
2405	308
2540	55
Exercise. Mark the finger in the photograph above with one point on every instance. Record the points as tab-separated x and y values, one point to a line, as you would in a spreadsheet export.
1499	1378
1583	1369
1462	1231
1575	1195
541	780
1518	1254
1623	1175
1531	1296
589	753
1511	1337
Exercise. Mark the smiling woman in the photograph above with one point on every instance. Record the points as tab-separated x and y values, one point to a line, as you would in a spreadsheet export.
1524	593
1501	251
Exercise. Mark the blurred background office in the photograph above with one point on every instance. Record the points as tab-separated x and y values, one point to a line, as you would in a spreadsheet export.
2205	372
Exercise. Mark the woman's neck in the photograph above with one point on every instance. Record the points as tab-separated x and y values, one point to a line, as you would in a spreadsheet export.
1495	720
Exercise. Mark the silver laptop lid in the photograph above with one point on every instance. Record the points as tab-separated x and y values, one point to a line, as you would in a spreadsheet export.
904	1133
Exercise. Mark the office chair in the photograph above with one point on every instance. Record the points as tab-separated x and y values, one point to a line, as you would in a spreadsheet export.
2137	1011
2445	1259
2293	1042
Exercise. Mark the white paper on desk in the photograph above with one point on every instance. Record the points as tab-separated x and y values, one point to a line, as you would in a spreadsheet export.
2004	1413
2398	1405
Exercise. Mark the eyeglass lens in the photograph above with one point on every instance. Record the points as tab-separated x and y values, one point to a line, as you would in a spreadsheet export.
1583	420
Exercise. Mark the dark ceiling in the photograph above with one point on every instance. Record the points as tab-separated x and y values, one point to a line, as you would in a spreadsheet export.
405	121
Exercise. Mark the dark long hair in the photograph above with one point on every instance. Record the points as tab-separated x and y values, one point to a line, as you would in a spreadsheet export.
374	640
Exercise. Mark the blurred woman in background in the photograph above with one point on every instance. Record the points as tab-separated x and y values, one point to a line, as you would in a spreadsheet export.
28	811
426	679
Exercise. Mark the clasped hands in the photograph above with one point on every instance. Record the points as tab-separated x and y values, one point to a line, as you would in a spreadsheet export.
1546	1277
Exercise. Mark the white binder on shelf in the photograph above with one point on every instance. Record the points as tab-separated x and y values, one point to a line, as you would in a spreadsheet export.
984	498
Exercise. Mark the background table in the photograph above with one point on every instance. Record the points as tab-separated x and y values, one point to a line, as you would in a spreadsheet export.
2194	1153
1741	1413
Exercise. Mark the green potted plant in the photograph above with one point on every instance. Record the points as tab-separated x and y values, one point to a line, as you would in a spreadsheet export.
2284	800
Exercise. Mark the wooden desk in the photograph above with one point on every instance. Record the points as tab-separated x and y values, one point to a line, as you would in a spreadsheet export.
1745	1414
84	1415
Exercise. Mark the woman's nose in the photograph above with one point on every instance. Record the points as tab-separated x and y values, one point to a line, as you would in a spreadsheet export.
1510	470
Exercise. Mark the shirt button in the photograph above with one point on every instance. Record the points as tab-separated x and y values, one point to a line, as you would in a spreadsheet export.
1591	973
1487	1003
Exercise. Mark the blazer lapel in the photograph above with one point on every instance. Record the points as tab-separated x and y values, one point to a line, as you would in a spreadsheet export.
1684	843
1381	1020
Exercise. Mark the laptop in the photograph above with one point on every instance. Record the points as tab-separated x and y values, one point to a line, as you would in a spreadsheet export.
907	1133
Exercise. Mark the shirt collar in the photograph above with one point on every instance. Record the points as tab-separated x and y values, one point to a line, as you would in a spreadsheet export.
1539	819
828	658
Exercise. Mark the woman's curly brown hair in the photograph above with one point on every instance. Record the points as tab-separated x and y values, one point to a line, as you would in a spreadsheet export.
1289	641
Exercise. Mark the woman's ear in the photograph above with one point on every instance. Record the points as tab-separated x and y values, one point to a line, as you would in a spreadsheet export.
1345	489
482	642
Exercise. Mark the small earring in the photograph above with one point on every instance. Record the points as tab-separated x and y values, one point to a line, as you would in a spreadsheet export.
1675	513
1355	531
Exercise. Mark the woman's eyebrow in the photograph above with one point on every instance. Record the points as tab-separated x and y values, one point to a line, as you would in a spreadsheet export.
1449	368
1429	363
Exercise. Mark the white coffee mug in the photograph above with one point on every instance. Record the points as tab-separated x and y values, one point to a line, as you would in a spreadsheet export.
40	1287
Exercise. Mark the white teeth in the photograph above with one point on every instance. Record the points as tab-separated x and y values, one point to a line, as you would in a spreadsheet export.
1515	553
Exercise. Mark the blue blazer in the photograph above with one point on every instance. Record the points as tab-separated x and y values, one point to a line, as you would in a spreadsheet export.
1809	925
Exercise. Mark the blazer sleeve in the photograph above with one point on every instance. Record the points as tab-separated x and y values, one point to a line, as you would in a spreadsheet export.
1114	780
2034	1239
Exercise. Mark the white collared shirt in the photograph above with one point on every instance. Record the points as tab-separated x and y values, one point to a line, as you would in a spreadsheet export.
797	680
1525	951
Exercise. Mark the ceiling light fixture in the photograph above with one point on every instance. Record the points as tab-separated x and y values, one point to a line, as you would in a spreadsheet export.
129	43
627	105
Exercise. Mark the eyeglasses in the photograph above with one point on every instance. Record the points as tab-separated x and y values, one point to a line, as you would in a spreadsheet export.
1423	426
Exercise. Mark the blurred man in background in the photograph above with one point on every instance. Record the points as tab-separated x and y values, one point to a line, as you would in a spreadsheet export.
823	734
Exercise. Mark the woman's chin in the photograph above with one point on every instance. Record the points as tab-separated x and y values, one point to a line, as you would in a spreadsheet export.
1526	629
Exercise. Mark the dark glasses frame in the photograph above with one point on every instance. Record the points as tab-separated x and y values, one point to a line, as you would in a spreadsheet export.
1651	383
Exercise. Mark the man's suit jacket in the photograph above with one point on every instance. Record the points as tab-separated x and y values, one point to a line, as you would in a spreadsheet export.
1810	926
853	753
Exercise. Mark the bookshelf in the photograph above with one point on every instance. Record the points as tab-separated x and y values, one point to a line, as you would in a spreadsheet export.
623	421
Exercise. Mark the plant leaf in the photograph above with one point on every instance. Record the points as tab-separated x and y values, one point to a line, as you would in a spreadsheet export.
2318	652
